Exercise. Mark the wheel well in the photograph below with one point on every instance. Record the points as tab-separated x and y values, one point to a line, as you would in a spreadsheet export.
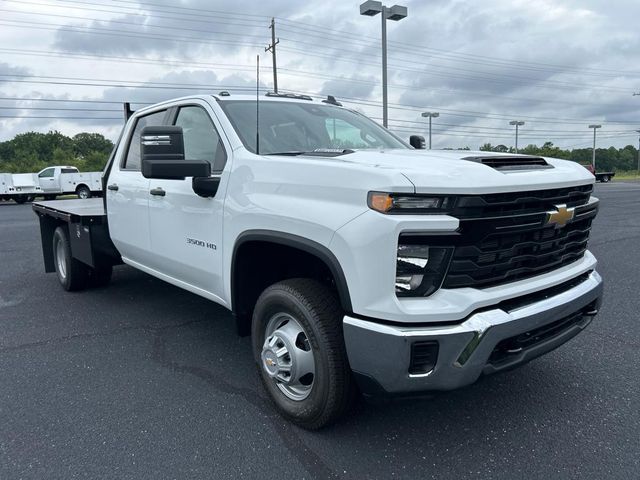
80	185
259	263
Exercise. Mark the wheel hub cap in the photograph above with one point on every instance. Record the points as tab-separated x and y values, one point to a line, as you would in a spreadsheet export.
287	357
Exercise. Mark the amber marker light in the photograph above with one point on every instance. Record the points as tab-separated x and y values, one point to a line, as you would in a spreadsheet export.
381	202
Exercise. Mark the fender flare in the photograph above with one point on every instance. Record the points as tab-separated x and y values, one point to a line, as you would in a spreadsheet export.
301	243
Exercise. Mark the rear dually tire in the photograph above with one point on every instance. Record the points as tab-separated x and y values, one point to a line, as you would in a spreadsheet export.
72	274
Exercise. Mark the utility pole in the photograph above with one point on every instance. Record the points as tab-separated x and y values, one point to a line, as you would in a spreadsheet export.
517	123
593	157
272	48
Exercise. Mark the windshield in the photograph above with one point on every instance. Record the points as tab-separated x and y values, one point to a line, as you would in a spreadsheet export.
299	127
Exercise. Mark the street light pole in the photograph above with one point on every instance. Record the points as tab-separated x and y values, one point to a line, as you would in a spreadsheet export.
371	8
430	115
385	99
593	155
517	123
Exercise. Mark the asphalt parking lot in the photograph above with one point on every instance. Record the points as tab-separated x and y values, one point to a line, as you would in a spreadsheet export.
143	380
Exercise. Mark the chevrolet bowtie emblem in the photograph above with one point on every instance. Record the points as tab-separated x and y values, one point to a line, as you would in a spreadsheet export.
561	216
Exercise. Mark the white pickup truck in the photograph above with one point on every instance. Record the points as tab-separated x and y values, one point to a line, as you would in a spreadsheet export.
66	180
19	187
356	262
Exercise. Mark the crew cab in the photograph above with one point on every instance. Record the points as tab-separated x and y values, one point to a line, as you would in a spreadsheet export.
355	262
68	180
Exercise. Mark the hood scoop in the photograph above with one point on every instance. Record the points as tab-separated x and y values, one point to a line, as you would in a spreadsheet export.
509	163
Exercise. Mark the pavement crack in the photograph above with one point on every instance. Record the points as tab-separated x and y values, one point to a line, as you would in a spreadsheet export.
77	336
311	461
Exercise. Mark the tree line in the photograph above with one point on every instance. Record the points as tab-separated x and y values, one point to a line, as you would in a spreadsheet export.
607	159
33	151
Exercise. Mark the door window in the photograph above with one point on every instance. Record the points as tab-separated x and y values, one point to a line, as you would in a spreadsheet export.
46	173
201	139
132	161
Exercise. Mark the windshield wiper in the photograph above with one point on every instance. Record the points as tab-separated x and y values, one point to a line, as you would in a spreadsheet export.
318	152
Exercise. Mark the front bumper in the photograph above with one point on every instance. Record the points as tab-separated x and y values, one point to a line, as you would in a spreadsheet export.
380	353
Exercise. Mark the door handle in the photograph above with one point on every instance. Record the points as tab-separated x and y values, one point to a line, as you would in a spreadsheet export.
158	192
113	187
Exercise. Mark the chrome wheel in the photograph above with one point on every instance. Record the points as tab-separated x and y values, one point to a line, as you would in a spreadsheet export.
60	255
287	357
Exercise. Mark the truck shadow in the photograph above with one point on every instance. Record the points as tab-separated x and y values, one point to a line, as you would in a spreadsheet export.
196	338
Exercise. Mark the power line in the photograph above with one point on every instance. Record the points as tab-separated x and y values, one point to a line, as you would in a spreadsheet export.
120	33
67	100
120	22
62	118
456	56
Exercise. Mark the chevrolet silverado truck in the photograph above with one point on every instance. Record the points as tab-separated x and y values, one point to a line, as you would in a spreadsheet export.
356	262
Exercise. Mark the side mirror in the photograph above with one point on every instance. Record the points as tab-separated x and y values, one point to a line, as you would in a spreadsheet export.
417	142
162	155
206	187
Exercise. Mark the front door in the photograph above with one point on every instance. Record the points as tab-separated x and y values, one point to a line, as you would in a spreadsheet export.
49	182
186	229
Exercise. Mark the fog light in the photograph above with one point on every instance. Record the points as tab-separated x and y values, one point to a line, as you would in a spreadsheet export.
424	356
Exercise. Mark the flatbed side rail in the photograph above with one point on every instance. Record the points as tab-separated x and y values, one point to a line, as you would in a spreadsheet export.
88	233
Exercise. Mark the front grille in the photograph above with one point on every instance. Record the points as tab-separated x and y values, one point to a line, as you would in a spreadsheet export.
505	237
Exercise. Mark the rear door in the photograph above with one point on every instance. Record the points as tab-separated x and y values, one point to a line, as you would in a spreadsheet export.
128	194
186	229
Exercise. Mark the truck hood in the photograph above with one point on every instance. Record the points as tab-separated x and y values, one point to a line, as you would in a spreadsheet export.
447	171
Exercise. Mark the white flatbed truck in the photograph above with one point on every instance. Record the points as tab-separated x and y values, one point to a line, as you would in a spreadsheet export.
355	262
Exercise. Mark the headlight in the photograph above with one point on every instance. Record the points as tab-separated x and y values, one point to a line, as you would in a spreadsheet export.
420	269
402	203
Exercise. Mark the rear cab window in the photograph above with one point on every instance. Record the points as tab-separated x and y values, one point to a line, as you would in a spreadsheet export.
132	159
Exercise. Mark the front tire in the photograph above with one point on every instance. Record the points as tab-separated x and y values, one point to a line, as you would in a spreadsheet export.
299	347
605	179
20	199
72	273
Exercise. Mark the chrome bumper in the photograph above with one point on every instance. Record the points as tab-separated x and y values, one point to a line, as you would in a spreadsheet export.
379	354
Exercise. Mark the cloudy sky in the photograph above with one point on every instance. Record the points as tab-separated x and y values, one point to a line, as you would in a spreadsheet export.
558	65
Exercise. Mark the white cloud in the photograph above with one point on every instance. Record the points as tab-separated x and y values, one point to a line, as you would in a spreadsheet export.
558	64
